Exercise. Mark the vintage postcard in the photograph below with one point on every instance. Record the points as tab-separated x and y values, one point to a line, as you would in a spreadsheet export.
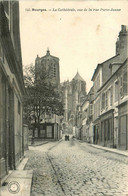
64	98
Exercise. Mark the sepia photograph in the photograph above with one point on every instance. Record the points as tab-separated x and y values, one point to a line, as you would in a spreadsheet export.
64	98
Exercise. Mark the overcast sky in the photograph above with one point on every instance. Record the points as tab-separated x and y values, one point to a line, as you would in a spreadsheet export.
81	40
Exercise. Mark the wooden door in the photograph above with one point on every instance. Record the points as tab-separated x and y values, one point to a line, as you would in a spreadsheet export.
123	132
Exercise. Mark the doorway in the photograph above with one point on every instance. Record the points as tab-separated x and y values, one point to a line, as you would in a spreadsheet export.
123	133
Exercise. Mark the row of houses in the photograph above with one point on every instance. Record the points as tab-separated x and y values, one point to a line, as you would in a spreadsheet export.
103	116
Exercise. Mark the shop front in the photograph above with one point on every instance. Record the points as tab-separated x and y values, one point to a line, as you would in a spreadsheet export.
47	131
96	132
107	129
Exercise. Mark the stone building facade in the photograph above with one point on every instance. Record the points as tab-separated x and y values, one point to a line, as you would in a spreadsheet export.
11	88
111	110
73	94
110	97
87	117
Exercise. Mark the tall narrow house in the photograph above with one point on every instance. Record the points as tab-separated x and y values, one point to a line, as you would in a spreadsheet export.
11	88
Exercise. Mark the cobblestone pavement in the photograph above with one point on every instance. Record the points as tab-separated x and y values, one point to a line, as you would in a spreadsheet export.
77	169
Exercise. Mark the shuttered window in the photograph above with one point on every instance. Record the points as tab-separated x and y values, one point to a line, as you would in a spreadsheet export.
121	87
103	101
125	81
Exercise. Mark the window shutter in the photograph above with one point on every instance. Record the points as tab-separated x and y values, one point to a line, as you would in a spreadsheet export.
121	87
111	96
125	80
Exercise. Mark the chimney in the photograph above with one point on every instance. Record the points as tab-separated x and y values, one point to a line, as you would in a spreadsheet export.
123	28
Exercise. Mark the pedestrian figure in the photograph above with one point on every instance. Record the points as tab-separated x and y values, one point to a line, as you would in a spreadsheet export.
65	137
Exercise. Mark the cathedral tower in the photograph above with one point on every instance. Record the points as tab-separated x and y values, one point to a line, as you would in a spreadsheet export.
49	64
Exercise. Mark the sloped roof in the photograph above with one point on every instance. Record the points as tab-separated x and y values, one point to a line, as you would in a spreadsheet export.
78	77
100	64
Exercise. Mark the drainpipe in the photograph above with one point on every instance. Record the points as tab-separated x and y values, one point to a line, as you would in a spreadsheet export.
118	114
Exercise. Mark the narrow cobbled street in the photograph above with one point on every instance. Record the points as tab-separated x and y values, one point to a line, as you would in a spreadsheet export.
74	168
